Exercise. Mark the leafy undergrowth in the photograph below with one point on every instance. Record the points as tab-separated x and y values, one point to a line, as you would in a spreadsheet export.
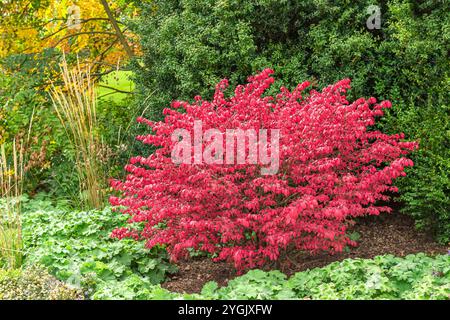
76	248
384	277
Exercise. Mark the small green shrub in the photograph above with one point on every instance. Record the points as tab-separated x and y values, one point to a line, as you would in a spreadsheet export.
34	283
426	189
24	102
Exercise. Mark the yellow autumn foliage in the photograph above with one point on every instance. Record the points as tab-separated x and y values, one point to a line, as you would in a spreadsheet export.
25	29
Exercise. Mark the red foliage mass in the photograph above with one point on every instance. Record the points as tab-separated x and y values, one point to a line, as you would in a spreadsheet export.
332	169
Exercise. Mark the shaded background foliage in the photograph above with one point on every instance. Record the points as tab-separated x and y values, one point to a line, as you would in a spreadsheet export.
189	45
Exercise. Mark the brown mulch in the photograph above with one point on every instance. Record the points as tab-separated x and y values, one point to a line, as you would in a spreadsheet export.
386	234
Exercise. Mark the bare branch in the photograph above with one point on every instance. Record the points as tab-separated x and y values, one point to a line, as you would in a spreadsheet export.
115	89
80	33
65	27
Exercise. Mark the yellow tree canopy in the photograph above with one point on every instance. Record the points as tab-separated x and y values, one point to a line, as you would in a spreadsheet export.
82	27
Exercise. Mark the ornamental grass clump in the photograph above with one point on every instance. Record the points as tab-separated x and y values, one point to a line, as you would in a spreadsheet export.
75	105
333	167
12	166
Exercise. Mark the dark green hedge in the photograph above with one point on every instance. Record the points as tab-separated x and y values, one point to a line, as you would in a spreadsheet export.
191	44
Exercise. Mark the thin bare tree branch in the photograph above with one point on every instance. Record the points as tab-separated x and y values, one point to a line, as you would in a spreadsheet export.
84	32
115	89
65	27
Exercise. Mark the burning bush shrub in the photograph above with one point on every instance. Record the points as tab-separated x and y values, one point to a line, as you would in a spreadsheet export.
331	168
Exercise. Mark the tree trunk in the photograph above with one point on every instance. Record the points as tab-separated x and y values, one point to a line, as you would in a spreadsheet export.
119	33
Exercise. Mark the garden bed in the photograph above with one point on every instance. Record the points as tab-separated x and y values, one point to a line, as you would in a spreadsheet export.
386	234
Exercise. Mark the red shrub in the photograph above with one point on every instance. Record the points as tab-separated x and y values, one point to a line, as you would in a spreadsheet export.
332	168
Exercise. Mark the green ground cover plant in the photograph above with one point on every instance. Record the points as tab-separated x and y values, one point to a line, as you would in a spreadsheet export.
76	247
384	277
414	277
